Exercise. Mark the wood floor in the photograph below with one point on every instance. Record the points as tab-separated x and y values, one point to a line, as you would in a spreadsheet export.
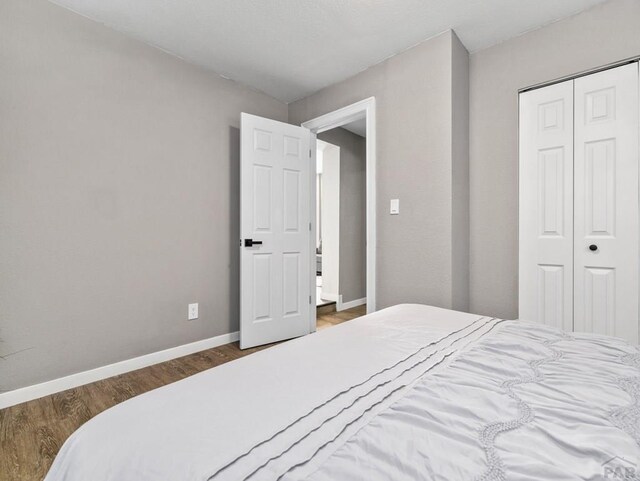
32	433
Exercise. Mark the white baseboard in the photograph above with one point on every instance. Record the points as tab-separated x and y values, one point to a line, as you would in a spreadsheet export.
36	391
341	306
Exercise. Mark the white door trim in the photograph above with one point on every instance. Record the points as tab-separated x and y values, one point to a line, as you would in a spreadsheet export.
330	121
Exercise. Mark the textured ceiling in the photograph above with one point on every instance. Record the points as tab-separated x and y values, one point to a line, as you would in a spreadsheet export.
292	48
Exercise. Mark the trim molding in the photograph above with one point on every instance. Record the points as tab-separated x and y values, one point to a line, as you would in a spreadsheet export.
341	306
47	388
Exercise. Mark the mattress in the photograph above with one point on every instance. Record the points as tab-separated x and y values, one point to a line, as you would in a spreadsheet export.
409	392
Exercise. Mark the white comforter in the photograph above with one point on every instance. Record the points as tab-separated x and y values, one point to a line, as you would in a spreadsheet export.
411	392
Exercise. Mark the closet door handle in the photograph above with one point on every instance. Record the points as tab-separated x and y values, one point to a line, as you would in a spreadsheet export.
593	247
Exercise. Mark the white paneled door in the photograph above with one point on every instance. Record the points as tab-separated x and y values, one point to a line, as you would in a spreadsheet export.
579	214
275	217
606	203
546	205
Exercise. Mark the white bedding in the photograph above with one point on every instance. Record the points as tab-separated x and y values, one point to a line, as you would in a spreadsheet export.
410	392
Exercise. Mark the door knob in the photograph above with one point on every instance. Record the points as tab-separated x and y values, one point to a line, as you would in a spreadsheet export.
251	243
593	247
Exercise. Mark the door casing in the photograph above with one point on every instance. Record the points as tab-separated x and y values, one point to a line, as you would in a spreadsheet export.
332	120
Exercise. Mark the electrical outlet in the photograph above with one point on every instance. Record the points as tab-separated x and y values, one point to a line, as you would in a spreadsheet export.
193	311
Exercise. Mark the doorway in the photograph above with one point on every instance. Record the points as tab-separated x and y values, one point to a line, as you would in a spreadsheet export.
341	217
344	225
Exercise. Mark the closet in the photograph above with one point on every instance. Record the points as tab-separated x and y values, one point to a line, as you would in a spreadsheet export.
578	204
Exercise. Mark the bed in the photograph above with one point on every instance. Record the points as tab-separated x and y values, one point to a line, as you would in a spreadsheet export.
411	392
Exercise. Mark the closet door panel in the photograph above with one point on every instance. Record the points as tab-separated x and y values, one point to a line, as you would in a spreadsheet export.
606	243
546	205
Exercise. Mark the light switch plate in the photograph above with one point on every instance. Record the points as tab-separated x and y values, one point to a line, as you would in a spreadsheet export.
394	207
193	311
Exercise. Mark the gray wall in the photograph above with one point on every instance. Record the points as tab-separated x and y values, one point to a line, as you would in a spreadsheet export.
601	35
460	176
413	92
353	212
118	195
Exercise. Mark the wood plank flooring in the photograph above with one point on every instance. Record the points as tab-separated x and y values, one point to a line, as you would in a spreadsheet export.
32	433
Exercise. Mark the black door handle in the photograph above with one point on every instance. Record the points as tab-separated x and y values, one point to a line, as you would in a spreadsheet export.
593	247
251	243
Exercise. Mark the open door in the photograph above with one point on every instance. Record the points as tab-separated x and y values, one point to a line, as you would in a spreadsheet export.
275	229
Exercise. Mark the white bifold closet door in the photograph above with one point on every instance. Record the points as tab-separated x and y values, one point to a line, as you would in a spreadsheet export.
579	242
606	203
546	205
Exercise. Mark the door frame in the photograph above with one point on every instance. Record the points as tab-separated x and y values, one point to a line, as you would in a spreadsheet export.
329	121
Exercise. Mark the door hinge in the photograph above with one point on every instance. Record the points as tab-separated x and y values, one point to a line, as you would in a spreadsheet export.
309	299
309	226
309	153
